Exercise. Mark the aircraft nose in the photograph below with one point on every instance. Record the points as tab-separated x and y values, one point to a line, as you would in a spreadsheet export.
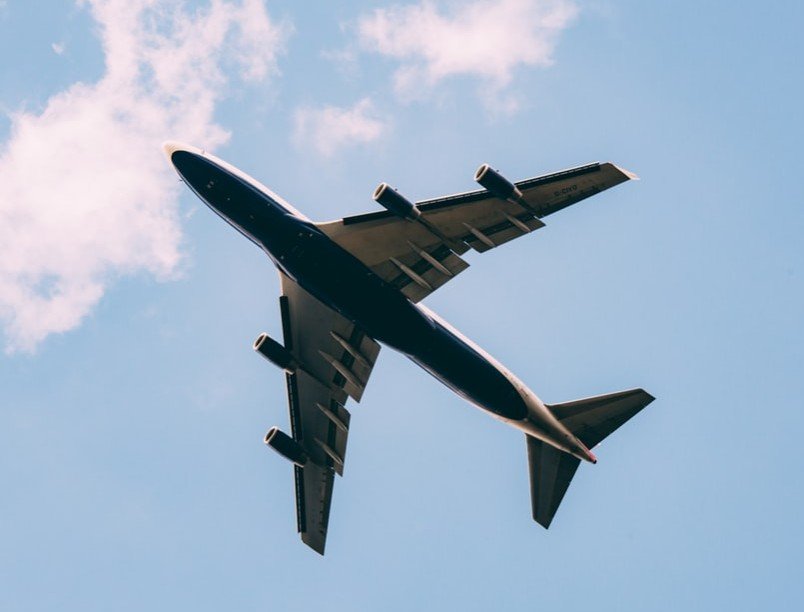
172	146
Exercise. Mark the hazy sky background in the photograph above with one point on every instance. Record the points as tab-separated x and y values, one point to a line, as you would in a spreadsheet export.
132	470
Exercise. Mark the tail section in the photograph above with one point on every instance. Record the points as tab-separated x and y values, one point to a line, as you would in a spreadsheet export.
590	420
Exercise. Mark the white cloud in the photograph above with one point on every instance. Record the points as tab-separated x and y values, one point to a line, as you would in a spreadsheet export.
330	128
58	48
484	39
86	193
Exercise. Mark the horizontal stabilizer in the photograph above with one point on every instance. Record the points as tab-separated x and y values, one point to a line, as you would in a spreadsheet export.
594	418
551	472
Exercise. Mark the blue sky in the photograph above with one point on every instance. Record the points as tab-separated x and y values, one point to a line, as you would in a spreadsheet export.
131	462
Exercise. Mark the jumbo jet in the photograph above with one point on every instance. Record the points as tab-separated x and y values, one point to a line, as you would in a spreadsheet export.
351	284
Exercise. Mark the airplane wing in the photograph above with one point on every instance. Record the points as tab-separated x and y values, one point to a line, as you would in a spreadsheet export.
418	260
336	360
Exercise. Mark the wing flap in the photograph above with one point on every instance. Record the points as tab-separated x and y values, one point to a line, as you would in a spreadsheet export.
404	254
483	224
318	424
420	271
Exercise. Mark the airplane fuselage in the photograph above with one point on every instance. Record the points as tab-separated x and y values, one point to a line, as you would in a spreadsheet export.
338	279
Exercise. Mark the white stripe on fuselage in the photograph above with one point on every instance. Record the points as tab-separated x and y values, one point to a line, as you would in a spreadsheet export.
518	384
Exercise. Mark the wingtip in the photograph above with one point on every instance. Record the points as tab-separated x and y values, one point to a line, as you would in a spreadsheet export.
314	541
648	397
631	176
543	521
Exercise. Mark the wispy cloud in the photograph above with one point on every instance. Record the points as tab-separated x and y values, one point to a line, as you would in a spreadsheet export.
483	39
58	48
329	129
86	194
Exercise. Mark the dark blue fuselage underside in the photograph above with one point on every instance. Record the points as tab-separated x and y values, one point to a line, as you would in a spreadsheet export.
345	284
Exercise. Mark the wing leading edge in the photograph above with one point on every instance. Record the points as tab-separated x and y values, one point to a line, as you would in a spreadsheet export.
336	359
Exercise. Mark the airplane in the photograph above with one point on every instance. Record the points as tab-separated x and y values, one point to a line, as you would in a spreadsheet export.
350	284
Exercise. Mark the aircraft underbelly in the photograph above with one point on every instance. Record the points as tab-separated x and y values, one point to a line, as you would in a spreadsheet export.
337	279
341	281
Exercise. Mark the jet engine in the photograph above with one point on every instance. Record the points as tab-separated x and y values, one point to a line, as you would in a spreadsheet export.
496	183
286	446
275	353
395	202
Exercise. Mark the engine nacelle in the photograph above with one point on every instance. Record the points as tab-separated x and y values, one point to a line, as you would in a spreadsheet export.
286	446
395	202
496	183
275	353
